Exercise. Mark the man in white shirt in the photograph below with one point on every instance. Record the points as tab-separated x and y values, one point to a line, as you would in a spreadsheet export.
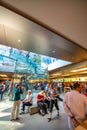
74	105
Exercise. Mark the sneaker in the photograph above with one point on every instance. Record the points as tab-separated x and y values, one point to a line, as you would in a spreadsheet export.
46	113
58	114
11	119
49	119
17	118
22	113
43	114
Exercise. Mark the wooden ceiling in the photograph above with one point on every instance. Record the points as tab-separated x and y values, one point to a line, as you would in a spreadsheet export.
46	26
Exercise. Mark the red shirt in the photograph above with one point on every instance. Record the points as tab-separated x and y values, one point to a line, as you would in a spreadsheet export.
40	98
85	94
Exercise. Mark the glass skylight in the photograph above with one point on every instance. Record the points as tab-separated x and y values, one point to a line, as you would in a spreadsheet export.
25	62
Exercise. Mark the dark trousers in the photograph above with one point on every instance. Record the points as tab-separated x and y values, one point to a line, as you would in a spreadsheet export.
42	107
53	102
1	94
60	99
47	102
26	104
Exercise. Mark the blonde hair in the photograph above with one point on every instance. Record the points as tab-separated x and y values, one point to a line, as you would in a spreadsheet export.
29	91
42	92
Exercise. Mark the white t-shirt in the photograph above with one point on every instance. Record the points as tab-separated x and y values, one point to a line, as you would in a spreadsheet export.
29	98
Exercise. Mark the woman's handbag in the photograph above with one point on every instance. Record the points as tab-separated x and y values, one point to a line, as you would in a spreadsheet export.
82	126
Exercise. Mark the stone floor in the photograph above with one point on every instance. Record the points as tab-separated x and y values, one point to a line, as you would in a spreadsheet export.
31	122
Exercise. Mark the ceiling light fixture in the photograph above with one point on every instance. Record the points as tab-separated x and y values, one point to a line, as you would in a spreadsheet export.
19	40
3	75
82	69
72	58
57	74
53	51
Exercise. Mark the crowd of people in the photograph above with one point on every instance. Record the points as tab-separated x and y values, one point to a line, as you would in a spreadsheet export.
46	99
74	102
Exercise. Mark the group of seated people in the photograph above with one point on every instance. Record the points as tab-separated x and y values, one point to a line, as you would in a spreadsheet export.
46	99
41	102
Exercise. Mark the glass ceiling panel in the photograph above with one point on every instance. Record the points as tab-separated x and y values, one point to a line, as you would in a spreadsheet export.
25	62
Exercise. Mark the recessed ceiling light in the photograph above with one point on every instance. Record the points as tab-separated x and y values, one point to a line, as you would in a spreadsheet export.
72	58
53	51
19	40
